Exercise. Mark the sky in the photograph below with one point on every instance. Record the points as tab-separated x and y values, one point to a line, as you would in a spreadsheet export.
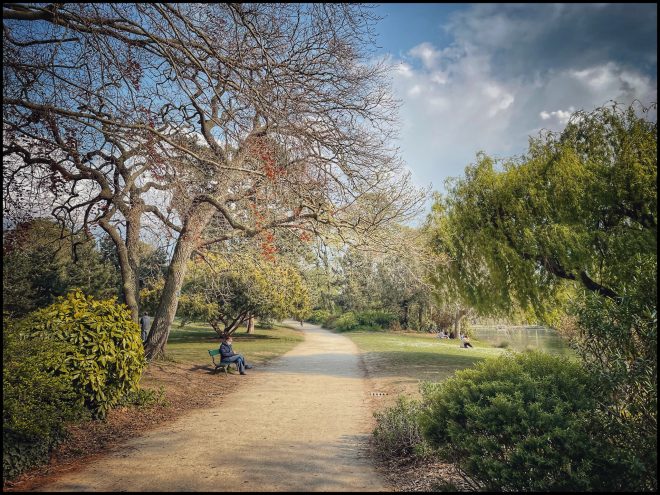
485	77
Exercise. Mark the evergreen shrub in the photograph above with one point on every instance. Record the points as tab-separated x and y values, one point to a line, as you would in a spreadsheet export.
106	359
521	422
36	403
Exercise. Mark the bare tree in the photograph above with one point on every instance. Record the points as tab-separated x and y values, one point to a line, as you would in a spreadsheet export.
246	119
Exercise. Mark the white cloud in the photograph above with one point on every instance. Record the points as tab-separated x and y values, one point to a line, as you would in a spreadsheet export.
561	116
427	53
415	90
439	77
404	70
455	104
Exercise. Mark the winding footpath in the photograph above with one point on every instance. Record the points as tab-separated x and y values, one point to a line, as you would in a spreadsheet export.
299	424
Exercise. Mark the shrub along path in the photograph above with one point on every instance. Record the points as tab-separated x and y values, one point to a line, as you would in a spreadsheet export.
299	424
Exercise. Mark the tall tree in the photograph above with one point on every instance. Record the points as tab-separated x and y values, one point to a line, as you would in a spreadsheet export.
246	119
579	210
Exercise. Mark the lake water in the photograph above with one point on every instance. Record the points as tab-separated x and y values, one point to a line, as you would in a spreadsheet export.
520	338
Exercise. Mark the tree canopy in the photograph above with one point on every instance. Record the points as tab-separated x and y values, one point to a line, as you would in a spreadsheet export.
41	261
210	122
227	291
577	211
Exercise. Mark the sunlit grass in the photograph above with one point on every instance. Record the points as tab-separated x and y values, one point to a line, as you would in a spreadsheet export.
413	357
191	343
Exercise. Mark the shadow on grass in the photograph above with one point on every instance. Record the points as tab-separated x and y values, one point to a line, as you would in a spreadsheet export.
417	364
185	336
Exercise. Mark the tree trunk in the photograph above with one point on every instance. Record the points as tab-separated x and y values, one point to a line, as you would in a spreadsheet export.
129	276
169	301
133	224
458	317
250	324
406	310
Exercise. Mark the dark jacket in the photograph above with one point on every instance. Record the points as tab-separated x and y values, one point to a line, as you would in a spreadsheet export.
226	350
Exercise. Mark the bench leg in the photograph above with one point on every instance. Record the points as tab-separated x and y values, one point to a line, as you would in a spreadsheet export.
224	367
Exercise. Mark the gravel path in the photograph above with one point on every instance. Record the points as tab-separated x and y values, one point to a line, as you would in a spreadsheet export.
299	424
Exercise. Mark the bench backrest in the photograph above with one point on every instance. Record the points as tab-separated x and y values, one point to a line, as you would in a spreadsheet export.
214	352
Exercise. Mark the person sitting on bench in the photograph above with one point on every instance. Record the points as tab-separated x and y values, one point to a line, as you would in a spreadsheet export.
229	356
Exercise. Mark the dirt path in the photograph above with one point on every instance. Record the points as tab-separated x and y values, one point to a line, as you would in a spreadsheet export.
299	424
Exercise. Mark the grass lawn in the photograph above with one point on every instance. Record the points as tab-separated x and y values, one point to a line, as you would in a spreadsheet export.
398	361
191	343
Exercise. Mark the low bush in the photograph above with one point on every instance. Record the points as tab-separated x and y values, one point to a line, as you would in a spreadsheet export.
331	321
398	434
36	403
376	318
346	322
106	359
319	316
371	320
521	423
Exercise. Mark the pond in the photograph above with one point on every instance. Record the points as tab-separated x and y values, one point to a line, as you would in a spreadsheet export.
520	338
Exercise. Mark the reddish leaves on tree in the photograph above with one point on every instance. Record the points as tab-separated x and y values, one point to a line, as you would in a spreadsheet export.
268	248
132	70
264	150
158	166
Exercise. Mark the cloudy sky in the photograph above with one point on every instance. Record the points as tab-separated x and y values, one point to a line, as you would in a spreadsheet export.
487	76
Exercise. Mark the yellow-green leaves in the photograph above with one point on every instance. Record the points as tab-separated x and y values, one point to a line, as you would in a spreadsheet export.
577	210
107	357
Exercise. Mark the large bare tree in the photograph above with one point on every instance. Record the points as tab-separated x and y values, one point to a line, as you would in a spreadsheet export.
220	121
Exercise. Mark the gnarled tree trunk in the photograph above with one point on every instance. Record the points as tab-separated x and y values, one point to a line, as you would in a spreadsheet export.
186	244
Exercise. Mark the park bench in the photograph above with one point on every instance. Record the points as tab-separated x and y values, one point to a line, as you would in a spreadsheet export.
219	365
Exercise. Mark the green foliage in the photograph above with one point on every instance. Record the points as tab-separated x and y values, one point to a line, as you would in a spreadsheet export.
579	210
361	320
226	291
35	402
107	357
319	316
42	261
618	344
376	318
523	423
398	434
393	281
346	322
568	234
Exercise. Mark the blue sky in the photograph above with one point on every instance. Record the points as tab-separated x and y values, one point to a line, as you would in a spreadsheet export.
484	77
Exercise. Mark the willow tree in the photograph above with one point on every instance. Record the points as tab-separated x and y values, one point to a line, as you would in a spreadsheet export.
219	121
569	233
577	211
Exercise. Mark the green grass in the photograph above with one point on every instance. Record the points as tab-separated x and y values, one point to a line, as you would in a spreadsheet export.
418	357
191	343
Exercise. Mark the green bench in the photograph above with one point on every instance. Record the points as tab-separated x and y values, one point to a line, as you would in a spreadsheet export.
219	365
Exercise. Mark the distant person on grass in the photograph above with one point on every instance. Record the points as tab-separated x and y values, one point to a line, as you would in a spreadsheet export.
229	356
466	341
